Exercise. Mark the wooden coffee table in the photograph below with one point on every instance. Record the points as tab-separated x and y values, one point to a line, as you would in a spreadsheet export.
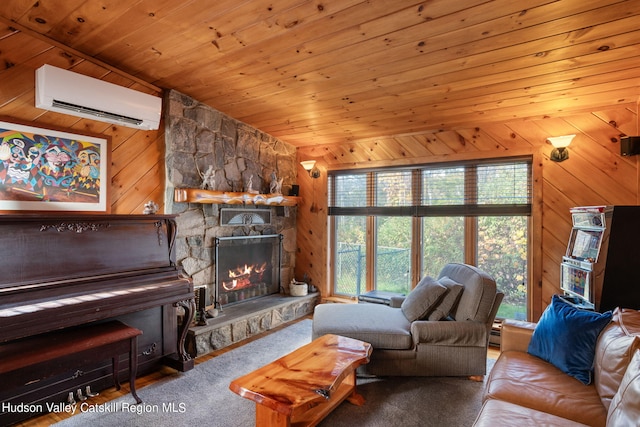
303	387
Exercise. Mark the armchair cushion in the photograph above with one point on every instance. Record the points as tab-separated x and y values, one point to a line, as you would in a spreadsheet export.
477	299
566	336
614	350
396	301
529	381
624	409
443	309
382	326
463	334
422	299
516	335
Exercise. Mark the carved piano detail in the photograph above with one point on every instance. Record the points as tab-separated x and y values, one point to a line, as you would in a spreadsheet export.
62	271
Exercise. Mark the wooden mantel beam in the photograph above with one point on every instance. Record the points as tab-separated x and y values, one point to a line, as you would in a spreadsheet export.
197	195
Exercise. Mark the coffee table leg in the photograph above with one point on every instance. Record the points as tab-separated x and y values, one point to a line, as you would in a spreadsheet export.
354	398
266	417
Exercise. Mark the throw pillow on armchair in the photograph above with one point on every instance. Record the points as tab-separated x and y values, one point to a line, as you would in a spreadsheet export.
422	299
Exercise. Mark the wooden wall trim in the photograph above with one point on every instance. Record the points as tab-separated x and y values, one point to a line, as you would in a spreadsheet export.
535	241
476	155
638	157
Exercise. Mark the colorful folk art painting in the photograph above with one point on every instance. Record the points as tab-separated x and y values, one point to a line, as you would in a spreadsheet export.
49	170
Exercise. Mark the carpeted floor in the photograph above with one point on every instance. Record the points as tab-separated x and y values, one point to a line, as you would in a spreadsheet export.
202	396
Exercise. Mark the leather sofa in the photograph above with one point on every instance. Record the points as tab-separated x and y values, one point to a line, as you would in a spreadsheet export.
445	333
525	390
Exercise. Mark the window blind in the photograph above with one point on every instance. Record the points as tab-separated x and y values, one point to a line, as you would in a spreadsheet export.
468	188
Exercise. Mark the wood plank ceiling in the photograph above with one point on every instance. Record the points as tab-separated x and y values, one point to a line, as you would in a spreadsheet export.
332	71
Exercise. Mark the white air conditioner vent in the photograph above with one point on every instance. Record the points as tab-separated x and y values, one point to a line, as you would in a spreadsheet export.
96	113
71	93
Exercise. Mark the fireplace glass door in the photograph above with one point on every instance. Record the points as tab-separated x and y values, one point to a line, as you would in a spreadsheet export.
247	267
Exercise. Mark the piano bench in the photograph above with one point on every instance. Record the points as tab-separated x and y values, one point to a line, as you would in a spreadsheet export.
54	353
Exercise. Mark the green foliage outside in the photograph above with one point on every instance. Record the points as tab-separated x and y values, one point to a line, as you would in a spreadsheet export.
442	243
502	252
393	255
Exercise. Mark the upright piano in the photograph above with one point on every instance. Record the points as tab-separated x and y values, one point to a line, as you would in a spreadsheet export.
69	270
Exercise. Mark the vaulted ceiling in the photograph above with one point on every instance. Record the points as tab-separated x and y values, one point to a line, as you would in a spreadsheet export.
330	71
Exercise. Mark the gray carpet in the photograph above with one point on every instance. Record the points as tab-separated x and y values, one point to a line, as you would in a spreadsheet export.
202	396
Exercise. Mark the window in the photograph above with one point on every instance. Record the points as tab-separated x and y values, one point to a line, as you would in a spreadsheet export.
350	264
502	251
393	226
393	254
442	243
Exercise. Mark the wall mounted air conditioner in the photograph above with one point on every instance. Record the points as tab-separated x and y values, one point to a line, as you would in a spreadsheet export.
71	93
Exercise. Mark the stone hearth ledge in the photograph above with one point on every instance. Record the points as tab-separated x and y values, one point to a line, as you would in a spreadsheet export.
241	321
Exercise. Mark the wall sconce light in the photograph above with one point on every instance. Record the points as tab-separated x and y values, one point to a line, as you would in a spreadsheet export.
311	168
560	144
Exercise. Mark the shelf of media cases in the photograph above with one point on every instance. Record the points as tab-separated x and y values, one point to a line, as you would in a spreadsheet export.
197	195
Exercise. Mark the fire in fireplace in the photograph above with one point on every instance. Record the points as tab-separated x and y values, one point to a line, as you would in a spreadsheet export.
244	277
247	267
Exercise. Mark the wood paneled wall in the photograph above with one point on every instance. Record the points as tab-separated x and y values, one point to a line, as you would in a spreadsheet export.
137	157
312	238
594	174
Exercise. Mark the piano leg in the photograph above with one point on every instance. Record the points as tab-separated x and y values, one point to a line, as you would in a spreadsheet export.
183	362
133	367
115	369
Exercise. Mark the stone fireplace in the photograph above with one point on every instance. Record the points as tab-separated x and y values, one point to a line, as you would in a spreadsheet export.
201	141
200	138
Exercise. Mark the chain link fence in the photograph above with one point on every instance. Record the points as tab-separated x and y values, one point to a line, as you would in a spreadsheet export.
393	269
350	269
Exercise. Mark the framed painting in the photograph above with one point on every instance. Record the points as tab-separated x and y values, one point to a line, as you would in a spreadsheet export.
51	170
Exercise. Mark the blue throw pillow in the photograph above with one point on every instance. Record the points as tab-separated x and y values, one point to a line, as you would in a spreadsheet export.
566	336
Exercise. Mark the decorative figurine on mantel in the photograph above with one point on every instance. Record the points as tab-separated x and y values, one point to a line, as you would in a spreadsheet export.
150	208
250	189
208	179
276	184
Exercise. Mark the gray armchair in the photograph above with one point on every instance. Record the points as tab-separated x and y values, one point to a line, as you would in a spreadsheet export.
406	343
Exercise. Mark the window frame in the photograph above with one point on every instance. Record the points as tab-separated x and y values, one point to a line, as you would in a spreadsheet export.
470	211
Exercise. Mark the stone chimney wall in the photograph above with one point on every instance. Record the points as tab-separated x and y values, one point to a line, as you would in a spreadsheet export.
198	136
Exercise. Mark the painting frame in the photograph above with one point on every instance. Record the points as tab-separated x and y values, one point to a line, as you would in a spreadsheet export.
52	169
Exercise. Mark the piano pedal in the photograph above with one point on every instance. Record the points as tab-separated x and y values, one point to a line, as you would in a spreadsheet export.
80	396
70	399
89	393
